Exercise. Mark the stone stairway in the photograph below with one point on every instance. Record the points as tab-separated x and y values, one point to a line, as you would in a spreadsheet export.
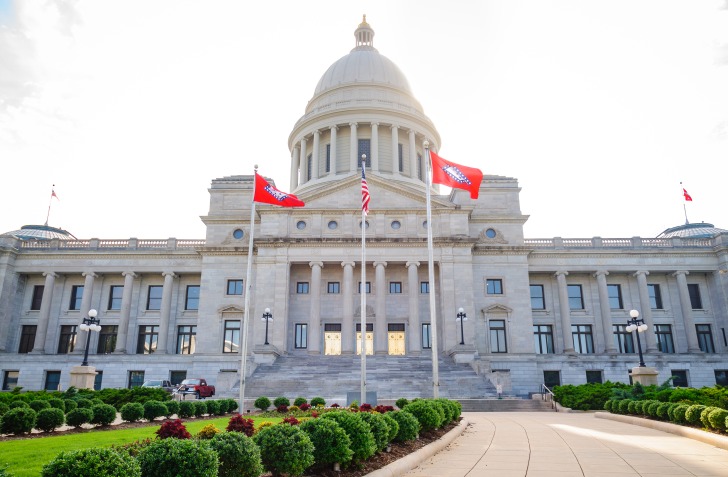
506	405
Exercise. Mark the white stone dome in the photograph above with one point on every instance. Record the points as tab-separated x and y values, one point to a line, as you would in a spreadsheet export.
363	65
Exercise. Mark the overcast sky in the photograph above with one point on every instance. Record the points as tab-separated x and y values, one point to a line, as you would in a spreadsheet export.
599	108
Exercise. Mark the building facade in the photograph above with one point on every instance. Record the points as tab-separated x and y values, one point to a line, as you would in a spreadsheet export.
538	310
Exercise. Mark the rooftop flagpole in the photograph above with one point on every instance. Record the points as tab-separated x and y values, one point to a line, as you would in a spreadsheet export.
50	201
248	291
431	273
363	284
687	199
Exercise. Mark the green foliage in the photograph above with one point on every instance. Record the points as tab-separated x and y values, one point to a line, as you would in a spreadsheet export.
58	403
3	408
331	443
608	404
70	405
623	406
379	428
232	405
393	427
631	407
176	457
80	416
186	409
173	429
285	449
318	401
717	418
238	455
281	401
39	404
262	403
103	414
208	432
132	412
704	416
200	408
119	397
19	403
652	408
172	408
4	472
213	407
299	400
662	410
94	462
401	402
19	420
448	407
409	426
362	439
692	415
425	413
154	409
49	419
678	414
590	396
83	403
670	409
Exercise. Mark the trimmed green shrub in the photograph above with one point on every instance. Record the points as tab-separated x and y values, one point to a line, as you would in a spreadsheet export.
213	407
238	455
173	429
692	415
300	400
84	403
262	403
652	408
409	426
379	428
632	407
39	404
285	449
19	403
401	402
175	457
186	409
704	416
3	408
425	413
662	410
608	405
318	401
362	439
154	409
331	443
717	418
58	403
440	410
49	419
70	405
586	397
448	407
18	420
670	409
103	414
222	406
232	405
623	406
172	408
80	416
678	414
96	402
200	408
94	462
132	412
393	426
281	401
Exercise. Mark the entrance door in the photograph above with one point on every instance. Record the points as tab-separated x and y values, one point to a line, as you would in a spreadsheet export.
395	335
332	343
369	342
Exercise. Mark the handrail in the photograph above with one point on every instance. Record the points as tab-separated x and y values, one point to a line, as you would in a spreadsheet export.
548	395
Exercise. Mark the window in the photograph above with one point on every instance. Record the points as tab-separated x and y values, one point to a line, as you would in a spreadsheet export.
328	158
302	288
52	381
705	338
663	334
594	377
653	291
395	287
67	339
97	380
309	166
576	300
552	379
37	299
238	234
115	293
695	301
365	147
333	287
623	340
301	225
396	225
186	339
491	233
154	298
192	298
301	340
537	298
400	158
424	288
679	378
76	297
231	340
147	340
426	336
582	336
333	225
498	336
10	380
368	287
107	339
27	338
494	286
721	377
176	377
419	166
615	297
235	287
543	339
136	378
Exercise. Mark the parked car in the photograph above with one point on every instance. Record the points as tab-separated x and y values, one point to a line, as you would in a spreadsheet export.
197	387
159	383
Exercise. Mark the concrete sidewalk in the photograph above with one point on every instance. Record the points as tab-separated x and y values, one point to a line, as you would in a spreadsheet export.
542	444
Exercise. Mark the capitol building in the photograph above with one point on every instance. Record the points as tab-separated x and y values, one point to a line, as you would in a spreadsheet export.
539	310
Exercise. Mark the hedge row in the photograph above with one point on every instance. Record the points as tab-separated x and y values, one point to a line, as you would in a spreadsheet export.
708	417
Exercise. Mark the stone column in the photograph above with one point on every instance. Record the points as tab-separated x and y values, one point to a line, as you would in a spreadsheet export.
125	312
165	312
353	148
295	163
375	147
88	289
687	311
413	333
380	323
315	156
332	150
646	311
606	311
565	311
314	322
303	169
413	156
395	149
347	295
45	313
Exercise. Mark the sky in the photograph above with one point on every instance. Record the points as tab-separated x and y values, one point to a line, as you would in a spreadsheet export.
129	109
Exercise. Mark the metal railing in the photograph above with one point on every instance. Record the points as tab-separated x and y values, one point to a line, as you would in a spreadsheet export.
548	396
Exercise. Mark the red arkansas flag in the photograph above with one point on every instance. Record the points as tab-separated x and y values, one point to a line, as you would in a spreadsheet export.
456	176
687	196
267	194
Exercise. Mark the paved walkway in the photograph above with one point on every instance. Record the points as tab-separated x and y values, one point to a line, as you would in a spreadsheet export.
543	444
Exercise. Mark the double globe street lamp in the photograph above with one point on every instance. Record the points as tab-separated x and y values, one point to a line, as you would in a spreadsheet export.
267	316
89	324
461	316
637	324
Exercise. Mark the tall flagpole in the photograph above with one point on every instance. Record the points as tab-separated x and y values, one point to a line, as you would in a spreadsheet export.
431	272
363	293
248	291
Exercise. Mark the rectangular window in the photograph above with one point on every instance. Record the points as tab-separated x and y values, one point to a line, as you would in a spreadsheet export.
365	147
695	301
107	339
705	338
76	297
543	339
679	378
615	297
52	381
494	286
583	340
10	380
653	291
27	338
37	299
593	377
537	298
623	340
176	377
333	287
424	288
552	379
663	334
721	377
400	158
115	293
368	287
235	287
231	340
419	166
67	339
136	378
147	339
154	298
192	298
97	380
186	339
395	287
301	339
498	336
302	288
426	336
576	299
328	158
309	166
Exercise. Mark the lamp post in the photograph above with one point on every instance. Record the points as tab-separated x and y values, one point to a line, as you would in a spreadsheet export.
89	324
267	317
461	316
639	325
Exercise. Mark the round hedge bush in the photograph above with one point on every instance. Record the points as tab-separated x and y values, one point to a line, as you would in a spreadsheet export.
448	408
300	400
393	426
318	401
172	408
208	432
213	407
39	404
285	449
70	405
58	403
652	408
93	462
704	416
175	457
662	410
678	414
80	416
379	428
48	420
154	409
425	413
19	420
96	402
362	439
717	419
186	409
18	403
238	455
132	412
623	405
262	403
440	410
409	426
632	407
692	415
83	402
200	408
3	408
401	402
331	443
281	401
232	405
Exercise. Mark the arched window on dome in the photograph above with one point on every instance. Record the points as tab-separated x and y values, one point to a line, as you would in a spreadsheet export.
365	147
309	166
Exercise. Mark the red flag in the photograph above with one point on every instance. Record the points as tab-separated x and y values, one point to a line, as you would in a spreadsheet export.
687	196
364	192
53	194
454	175
267	194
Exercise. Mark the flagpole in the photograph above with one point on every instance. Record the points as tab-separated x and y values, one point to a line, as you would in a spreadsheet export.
431	272
50	201
248	291
685	209
363	293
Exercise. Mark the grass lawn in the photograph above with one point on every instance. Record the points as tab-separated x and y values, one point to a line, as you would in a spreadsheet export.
26	457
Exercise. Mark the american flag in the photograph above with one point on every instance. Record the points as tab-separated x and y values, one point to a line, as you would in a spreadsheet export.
364	191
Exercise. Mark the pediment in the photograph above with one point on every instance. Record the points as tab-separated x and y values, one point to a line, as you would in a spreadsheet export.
231	309
496	309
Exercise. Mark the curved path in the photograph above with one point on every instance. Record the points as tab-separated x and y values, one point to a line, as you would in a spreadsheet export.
542	444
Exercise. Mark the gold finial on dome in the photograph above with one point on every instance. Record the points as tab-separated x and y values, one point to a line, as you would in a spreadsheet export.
364	20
